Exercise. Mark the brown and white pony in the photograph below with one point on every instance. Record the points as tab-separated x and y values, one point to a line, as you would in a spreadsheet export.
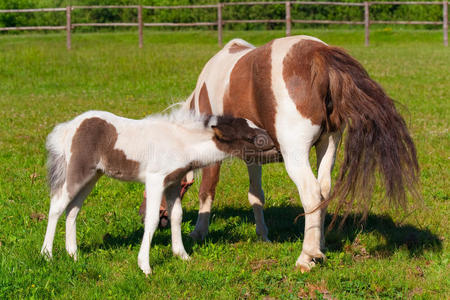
157	151
305	93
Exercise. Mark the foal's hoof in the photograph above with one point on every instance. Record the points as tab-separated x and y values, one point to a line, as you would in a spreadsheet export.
73	255
145	268
163	222
147	272
183	256
46	254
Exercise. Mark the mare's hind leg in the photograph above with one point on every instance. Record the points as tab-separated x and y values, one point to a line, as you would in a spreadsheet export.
256	199
72	211
206	195
173	199
296	136
326	155
58	203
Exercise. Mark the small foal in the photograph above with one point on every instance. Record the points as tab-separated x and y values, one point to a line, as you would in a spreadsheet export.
158	151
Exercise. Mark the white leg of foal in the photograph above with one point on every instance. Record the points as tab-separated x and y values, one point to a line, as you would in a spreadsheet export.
72	211
256	199
176	215
326	155
58	204
154	189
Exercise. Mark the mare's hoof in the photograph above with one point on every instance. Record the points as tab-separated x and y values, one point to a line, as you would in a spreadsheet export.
197	236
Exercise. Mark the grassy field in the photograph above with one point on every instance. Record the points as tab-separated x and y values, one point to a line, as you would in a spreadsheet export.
396	254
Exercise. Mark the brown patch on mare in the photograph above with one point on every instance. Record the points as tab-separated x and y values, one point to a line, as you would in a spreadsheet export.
235	48
249	94
210	174
210	178
203	101
301	66
93	142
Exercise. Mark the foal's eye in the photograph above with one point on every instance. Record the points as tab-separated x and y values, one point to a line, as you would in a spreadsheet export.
250	139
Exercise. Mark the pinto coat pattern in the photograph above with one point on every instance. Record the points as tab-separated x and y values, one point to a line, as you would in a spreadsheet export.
157	151
305	93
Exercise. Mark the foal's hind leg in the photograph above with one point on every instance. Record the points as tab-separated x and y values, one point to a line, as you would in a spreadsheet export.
326	155
72	211
58	203
173	198
206	195
256	199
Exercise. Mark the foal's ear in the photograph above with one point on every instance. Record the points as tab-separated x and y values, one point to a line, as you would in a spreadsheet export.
224	132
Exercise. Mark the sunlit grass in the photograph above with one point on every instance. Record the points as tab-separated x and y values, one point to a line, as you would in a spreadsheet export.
395	254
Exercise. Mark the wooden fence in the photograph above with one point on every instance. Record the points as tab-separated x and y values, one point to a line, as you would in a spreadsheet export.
220	21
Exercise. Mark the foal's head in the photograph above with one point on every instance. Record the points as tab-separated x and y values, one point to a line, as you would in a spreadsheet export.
240	137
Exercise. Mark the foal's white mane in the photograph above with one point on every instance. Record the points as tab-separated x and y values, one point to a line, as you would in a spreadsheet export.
183	117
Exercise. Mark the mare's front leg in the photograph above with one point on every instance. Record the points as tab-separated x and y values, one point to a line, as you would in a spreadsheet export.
173	199
154	187
210	177
326	148
256	199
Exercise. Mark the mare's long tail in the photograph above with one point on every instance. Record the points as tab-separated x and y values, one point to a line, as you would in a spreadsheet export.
377	136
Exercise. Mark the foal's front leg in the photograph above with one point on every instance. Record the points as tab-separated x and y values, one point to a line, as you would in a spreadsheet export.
154	187
173	199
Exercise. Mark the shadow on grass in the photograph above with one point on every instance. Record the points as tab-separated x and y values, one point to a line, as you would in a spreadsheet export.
280	221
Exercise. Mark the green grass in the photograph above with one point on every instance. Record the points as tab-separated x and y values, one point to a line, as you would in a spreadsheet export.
395	254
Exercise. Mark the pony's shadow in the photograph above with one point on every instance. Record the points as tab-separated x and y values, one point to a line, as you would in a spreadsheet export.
282	228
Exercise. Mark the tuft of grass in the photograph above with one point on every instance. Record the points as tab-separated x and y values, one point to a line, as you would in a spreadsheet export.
395	254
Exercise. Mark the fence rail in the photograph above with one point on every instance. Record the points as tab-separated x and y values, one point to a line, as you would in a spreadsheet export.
220	21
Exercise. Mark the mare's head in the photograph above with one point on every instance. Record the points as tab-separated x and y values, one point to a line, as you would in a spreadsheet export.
242	138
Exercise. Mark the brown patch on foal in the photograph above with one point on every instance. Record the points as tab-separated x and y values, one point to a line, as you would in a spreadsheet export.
249	94
178	174
235	47
301	67
92	143
203	101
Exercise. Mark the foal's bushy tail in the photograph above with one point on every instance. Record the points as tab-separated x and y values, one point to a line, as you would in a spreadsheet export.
56	160
377	136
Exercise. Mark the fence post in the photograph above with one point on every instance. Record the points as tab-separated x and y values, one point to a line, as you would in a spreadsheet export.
445	22
141	27
288	18
366	24
68	27
219	23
